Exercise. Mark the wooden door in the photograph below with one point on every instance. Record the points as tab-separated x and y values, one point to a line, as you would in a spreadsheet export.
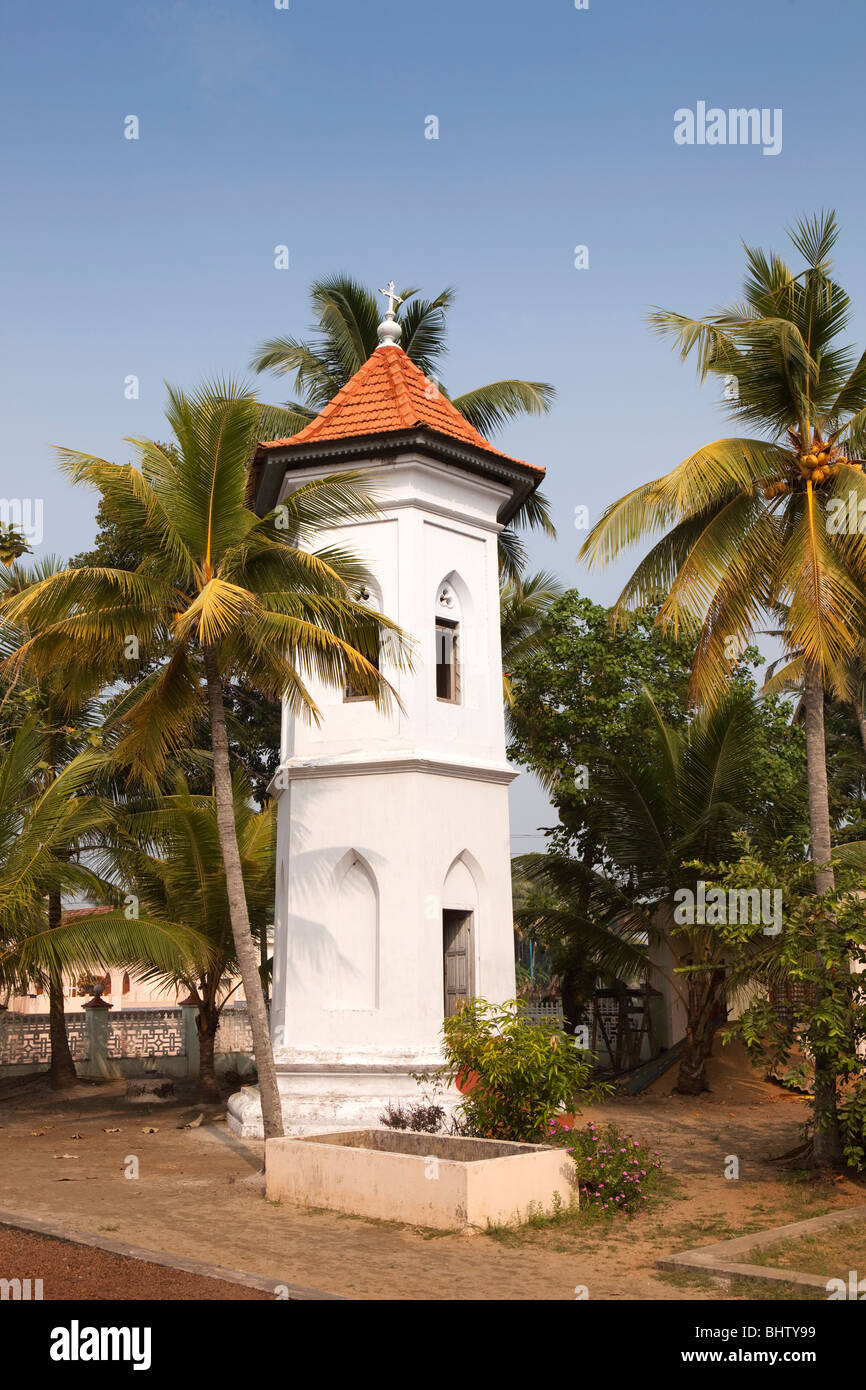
458	958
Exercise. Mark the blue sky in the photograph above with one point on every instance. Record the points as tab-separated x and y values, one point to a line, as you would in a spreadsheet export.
305	127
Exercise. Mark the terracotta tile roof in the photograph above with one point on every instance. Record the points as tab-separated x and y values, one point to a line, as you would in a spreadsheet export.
389	393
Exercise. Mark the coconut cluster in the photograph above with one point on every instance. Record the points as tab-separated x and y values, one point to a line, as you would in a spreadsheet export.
823	462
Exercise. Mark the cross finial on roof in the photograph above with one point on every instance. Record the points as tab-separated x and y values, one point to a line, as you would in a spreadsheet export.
391	297
389	330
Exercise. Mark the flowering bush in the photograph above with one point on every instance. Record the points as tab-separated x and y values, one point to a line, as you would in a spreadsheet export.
614	1172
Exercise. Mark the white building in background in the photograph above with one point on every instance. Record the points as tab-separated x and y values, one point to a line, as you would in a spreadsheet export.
120	988
393	894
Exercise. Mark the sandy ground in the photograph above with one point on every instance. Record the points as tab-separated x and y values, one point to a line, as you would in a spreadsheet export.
199	1194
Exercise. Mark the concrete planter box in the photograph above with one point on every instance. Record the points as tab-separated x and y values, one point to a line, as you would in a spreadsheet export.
423	1179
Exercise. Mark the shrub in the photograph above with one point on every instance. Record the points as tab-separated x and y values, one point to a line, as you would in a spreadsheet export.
615	1172
852	1122
423	1119
807	995
516	1075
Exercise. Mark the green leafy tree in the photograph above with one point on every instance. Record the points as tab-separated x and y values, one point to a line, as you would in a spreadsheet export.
347	315
580	690
846	772
750	522
805	990
221	592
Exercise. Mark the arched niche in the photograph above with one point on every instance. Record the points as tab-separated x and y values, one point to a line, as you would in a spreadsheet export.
354	956
460	889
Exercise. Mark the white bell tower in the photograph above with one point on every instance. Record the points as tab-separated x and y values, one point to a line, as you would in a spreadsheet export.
393	896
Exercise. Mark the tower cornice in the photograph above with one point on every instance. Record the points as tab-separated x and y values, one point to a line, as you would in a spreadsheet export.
500	774
277	460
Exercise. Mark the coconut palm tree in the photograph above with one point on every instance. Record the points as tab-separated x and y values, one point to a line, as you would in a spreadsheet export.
682	798
524	602
347	315
39	823
749	526
12	545
170	859
220	594
589	924
66	731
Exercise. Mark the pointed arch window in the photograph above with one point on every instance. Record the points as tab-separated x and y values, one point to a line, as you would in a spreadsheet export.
447	646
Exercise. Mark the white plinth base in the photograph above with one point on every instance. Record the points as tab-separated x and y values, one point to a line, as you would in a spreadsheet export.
317	1101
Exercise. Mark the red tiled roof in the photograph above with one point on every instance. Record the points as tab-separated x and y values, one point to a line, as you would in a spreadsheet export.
389	393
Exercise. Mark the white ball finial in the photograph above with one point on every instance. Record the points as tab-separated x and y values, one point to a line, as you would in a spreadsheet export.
389	330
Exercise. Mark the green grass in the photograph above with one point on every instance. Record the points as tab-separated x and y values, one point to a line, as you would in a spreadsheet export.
832	1252
752	1290
592	1227
707	1230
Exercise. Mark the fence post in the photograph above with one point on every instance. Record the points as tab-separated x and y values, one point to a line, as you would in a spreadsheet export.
96	1036
189	1034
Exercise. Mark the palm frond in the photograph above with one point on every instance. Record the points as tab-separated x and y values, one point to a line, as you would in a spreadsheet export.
489	408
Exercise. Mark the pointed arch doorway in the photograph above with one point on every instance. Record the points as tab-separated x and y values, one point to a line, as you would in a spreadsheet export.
458	957
459	919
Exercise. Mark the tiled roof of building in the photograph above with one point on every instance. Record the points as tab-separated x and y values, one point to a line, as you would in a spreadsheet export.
388	394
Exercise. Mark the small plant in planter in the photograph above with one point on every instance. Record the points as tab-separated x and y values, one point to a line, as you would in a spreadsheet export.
517	1076
421	1118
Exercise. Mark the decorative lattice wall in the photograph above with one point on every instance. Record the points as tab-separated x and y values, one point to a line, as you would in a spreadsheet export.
25	1037
234	1033
132	1033
145	1033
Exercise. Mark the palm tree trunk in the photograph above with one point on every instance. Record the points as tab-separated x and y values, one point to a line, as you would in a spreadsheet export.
62	1072
705	991
272	1117
861	722
571	999
827	1143
206	1023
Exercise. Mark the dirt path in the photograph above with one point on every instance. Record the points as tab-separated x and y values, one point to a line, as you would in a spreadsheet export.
198	1193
